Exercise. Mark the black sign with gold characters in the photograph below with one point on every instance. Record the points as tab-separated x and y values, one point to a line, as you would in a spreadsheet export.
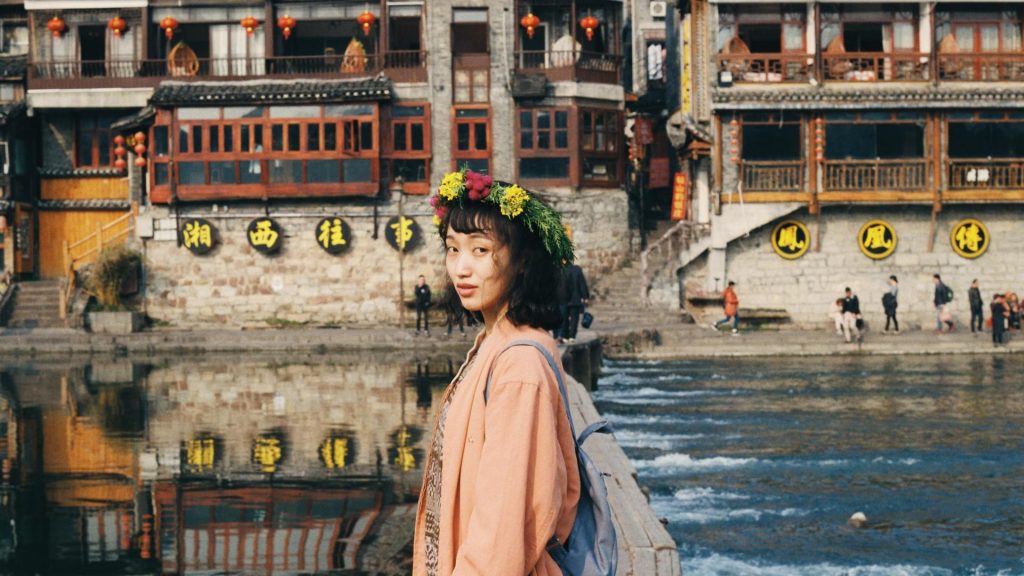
877	239
264	235
198	236
969	238
333	235
402	233
790	239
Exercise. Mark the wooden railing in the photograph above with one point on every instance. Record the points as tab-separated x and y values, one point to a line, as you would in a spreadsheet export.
986	173
981	66
786	176
876	67
402	65
88	249
758	68
855	175
560	65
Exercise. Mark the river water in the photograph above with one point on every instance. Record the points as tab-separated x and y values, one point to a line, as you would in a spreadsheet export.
757	464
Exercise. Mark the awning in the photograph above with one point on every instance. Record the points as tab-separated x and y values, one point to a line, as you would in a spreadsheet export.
140	119
270	92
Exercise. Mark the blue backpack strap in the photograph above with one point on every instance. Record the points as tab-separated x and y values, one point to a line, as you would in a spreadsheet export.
554	368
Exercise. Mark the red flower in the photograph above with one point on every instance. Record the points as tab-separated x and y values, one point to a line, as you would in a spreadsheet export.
478	185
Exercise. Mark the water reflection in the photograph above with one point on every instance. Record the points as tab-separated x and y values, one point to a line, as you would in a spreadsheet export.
251	465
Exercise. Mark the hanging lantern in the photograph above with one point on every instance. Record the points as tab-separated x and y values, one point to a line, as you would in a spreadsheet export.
117	25
56	26
250	24
168	24
140	149
119	140
366	20
286	23
140	162
120	164
530	22
589	23
140	137
120	151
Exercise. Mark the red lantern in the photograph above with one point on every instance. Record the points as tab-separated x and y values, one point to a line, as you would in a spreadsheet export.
589	23
119	140
140	162
117	25
168	24
140	137
140	149
120	151
250	24
366	20
286	23
120	164
56	26
530	22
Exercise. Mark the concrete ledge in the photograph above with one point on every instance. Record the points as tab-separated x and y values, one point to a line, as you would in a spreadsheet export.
115	322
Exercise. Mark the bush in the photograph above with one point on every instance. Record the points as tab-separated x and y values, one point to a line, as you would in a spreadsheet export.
115	265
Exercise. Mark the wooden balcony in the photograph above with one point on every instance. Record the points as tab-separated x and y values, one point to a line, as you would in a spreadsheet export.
981	67
876	175
571	66
876	67
400	66
785	176
767	68
986	174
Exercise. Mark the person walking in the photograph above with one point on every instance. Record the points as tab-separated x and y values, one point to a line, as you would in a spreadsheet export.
889	303
999	315
577	294
421	294
837	315
977	305
731	302
851	316
943	297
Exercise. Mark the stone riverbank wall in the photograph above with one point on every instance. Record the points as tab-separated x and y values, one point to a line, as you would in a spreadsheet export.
806	287
234	285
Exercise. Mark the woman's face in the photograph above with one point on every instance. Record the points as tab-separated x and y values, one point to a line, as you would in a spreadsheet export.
477	265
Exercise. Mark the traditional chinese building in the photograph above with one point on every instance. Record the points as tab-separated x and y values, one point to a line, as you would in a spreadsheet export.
847	141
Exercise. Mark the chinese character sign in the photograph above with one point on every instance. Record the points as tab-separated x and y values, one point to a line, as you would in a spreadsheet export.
264	235
680	191
266	453
200	454
198	236
790	239
333	235
402	233
877	239
969	238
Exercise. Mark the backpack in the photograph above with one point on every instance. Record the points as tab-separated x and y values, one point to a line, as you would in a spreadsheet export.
949	294
592	547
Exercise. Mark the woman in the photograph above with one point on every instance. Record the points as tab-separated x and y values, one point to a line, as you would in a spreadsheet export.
501	478
889	304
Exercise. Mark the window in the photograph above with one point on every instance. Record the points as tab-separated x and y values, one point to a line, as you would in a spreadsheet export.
772	154
973	32
472	139
93	146
273	146
600	135
407	152
543	144
761	28
985	150
472	85
874	135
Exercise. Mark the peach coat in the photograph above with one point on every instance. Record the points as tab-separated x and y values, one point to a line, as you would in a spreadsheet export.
509	478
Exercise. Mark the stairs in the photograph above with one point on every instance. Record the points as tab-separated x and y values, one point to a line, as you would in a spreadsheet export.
36	305
623	298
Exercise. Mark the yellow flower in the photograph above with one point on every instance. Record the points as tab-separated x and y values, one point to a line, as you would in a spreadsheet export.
451	186
512	201
437	220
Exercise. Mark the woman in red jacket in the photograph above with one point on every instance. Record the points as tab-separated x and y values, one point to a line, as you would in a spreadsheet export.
732	308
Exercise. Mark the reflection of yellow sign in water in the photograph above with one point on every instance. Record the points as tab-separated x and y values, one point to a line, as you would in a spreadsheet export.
877	239
267	453
200	454
790	239
969	238
404	457
334	452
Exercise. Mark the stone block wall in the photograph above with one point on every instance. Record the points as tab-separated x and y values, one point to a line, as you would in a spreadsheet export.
806	287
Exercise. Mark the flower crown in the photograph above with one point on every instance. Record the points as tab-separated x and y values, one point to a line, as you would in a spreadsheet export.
513	202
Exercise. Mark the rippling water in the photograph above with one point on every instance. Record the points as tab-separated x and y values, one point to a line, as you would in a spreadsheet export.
758	463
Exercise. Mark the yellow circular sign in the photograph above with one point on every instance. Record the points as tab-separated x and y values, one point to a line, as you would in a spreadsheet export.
790	239
969	238
877	239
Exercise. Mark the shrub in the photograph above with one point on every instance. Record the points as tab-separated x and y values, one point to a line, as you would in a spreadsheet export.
115	265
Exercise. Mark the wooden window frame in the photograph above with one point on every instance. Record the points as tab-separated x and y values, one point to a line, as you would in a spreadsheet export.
390	154
94	152
739	18
572	144
473	154
616	135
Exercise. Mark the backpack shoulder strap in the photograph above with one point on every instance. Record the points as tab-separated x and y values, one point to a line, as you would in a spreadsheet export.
554	368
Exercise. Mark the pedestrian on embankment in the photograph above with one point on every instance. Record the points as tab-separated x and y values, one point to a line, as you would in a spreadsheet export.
977	305
1000	313
577	295
889	304
852	321
731	303
837	315
942	299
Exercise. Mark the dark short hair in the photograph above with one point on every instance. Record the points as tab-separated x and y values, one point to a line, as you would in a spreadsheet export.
531	299
937	277
731	283
848	289
893	278
973	281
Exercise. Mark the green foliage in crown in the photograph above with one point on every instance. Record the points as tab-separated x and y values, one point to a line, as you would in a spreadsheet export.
514	202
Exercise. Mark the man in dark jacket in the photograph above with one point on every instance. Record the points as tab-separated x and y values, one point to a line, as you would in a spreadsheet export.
577	294
943	296
999	315
977	314
851	316
422	296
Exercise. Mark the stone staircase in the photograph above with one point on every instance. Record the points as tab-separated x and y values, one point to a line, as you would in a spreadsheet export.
36	305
